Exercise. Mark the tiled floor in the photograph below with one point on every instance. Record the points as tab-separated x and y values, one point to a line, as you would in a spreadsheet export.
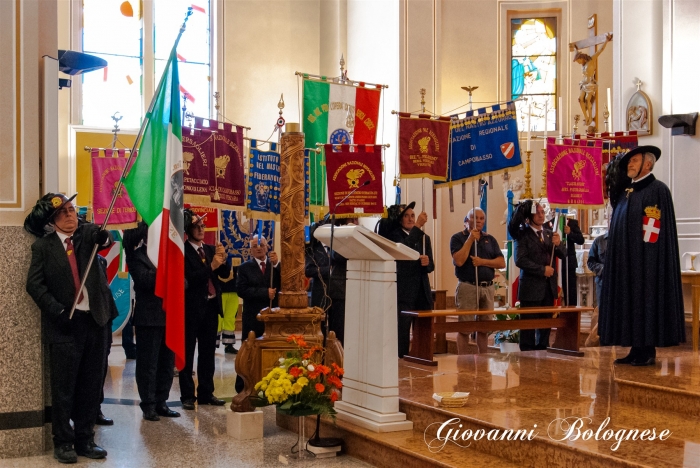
197	439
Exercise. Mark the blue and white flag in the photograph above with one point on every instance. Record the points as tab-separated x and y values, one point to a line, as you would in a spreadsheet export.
263	188
237	231
483	143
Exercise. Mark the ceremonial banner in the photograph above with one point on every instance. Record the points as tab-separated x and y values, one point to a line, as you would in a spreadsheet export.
236	234
263	195
326	107
227	174
423	146
106	172
197	148
349	170
484	143
155	185
574	173
119	280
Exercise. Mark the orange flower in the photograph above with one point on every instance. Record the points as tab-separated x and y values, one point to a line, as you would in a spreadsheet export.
295	371
323	369
335	381
337	369
314	374
320	388
334	397
298	339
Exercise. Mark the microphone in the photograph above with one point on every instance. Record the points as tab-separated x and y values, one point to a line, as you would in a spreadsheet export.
365	183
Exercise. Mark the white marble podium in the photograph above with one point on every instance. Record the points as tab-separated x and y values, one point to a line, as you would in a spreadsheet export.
371	382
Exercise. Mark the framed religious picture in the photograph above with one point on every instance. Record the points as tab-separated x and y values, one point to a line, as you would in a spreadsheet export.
639	112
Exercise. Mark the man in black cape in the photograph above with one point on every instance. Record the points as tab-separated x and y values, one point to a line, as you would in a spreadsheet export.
642	300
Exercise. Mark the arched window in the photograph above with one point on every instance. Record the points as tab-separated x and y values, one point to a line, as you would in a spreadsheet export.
534	69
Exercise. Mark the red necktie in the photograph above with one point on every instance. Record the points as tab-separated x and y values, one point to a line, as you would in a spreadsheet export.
212	289
262	267
73	267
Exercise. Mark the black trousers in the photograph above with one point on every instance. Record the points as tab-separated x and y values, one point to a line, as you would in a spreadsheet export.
77	374
200	332
154	367
405	322
108	348
128	339
336	319
536	339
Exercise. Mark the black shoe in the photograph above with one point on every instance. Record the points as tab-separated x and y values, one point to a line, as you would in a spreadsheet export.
131	357
627	359
188	404
229	349
644	361
65	454
150	415
103	421
90	450
212	400
166	412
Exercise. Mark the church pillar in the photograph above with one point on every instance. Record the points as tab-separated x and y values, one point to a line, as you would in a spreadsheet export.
28	30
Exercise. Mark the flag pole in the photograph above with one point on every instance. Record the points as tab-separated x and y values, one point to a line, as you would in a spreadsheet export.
126	167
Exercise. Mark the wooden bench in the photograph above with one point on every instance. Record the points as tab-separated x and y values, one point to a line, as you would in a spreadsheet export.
429	322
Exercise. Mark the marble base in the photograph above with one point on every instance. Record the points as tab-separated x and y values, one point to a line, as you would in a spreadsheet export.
372	420
245	426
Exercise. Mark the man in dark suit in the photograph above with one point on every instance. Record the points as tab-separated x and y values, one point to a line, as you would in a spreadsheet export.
412	282
534	248
253	284
328	292
573	236
203	263
77	345
154	360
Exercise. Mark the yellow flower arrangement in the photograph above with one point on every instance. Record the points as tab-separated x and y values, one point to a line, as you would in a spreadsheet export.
299	385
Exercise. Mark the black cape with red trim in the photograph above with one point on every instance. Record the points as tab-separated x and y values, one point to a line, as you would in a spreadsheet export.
642	297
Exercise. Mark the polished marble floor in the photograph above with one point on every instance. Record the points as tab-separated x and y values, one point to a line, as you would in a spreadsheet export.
521	390
197	439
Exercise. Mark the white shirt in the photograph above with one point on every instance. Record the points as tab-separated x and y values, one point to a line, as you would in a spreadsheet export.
537	230
85	303
641	178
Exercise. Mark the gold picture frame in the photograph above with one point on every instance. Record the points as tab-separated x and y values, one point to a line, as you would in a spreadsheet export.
639	113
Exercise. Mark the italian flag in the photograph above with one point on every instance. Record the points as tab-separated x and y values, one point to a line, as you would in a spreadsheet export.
155	186
327	109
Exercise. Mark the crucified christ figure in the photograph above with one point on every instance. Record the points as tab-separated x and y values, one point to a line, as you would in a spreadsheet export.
588	86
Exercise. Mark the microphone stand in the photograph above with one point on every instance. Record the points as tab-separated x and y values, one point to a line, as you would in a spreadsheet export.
317	441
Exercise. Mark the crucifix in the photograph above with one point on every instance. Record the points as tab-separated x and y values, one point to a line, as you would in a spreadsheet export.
588	86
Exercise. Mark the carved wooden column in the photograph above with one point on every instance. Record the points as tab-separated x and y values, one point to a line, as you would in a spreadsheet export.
292	222
257	357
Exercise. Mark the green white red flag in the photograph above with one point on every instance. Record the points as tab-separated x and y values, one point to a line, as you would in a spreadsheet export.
155	186
333	111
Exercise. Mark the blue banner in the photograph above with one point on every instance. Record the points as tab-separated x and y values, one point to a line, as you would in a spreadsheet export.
483	143
263	188
237	232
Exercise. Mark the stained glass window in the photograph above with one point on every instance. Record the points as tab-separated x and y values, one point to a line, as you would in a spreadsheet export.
110	33
534	70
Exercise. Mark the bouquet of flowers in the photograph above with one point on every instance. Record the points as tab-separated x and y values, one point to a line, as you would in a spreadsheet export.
301	385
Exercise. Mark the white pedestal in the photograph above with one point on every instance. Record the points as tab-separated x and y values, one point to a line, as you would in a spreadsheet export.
371	381
245	426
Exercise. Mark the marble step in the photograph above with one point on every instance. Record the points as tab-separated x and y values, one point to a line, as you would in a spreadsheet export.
680	450
405	449
673	386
